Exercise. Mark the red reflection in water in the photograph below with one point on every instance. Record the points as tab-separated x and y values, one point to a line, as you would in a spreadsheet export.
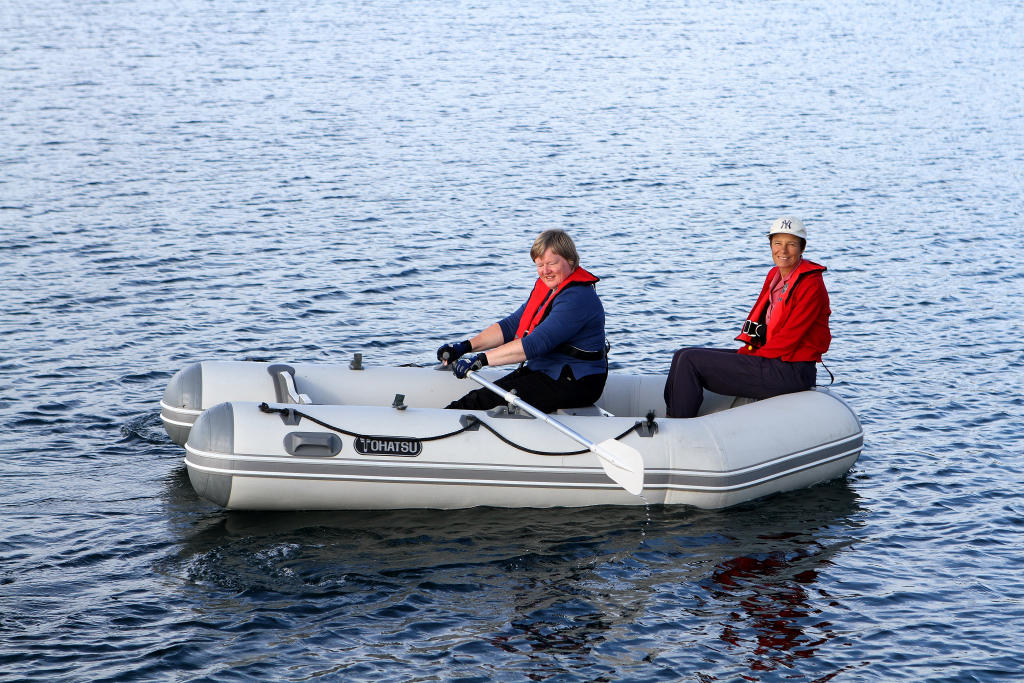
774	604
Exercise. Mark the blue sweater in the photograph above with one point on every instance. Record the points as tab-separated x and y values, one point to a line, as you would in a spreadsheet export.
576	317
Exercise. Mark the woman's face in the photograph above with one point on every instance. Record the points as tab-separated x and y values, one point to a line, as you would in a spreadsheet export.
786	252
552	269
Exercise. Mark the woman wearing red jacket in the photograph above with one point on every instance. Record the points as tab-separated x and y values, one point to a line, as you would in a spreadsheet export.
785	334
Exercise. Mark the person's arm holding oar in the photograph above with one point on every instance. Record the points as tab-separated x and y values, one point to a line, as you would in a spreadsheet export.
491	340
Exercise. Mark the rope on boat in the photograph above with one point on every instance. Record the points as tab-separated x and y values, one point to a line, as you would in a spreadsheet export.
833	380
471	422
473	418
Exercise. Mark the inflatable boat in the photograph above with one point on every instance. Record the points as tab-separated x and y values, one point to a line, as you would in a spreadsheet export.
263	436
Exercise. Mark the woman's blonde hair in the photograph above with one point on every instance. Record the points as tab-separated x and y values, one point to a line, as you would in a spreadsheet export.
557	241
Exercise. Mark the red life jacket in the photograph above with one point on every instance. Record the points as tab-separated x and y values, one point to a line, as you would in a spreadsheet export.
539	303
798	330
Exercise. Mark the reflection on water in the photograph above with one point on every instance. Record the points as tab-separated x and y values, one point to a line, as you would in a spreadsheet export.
546	590
773	603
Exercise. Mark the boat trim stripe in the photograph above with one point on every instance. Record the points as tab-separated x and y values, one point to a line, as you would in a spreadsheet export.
480	474
184	411
176	423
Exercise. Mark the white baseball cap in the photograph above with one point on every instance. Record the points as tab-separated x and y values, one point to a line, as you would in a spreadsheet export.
788	225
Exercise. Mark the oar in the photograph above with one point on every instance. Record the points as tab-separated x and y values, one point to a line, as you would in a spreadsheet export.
622	463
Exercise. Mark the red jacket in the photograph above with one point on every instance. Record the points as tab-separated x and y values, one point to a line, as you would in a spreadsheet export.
798	330
539	302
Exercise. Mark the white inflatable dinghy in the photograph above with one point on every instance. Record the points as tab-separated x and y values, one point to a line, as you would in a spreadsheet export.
261	436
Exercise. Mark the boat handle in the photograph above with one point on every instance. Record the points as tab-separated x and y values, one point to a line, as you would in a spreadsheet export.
312	444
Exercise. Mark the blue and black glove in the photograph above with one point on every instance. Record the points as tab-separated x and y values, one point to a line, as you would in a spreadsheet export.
449	353
467	363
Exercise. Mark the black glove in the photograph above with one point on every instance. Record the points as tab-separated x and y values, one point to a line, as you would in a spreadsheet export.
467	363
452	352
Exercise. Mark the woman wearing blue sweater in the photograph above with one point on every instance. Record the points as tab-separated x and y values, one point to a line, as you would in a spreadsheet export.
558	335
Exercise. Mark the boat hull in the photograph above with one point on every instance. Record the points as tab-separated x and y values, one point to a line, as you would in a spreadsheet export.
379	457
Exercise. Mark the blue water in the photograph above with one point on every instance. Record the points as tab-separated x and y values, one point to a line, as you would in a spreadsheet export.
306	180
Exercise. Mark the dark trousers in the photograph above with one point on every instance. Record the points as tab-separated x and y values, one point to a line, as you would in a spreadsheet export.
539	390
726	372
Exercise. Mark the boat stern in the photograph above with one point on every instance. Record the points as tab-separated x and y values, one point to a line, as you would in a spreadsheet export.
182	402
213	432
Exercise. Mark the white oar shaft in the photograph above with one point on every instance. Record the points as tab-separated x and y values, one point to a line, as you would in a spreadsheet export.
541	415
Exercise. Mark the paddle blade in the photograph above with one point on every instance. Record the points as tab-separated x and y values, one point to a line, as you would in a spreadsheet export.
622	463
